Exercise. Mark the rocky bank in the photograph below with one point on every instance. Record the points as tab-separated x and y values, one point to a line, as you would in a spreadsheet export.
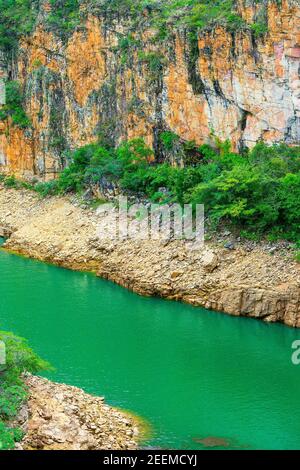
242	281
62	417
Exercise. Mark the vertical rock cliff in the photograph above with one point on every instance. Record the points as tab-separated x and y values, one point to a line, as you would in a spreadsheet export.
110	79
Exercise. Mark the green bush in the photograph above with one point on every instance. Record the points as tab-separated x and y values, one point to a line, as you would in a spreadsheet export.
207	13
18	17
10	182
257	192
259	29
8	436
169	139
200	14
50	188
16	20
14	105
19	358
64	16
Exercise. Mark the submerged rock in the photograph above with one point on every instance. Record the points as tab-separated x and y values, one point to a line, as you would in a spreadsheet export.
213	442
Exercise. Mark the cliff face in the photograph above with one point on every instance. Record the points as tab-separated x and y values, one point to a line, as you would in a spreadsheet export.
241	87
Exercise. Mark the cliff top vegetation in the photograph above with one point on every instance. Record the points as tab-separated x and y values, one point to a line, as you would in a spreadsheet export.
18	17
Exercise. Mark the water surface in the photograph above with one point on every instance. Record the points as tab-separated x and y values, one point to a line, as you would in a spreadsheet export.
191	373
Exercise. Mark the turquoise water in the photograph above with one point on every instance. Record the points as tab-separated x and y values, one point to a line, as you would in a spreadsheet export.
191	373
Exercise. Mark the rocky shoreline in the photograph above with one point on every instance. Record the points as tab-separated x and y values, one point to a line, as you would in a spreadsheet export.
241	281
61	417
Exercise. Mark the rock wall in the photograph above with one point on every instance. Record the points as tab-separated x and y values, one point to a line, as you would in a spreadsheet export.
241	87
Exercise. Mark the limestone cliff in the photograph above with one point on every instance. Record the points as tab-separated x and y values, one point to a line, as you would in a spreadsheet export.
110	80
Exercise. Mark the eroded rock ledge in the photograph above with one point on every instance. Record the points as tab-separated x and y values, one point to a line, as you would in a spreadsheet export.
239	282
62	417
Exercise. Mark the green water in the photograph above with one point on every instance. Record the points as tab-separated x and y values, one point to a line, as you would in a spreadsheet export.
191	373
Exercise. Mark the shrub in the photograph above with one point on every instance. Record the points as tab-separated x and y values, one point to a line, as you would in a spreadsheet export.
50	188
64	16
19	358
207	13
169	139
289	203
17	19
297	256
259	29
8	436
10	182
14	106
257	192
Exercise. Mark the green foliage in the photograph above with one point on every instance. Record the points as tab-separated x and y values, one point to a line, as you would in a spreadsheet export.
8	436
202	14
126	44
257	192
17	19
11	181
14	105
19	358
155	61
46	189
259	28
64	16
169	139
206	13
37	64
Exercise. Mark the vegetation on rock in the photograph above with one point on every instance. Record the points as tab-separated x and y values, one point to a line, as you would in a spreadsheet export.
202	14
64	16
14	105
19	359
257	191
18	17
16	20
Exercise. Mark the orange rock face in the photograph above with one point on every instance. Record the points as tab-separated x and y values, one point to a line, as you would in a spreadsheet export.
234	86
16	150
85	57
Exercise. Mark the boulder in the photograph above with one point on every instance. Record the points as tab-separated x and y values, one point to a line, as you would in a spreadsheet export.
209	261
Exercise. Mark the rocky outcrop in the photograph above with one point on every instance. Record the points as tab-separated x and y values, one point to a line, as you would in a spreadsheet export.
242	281
244	88
62	417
